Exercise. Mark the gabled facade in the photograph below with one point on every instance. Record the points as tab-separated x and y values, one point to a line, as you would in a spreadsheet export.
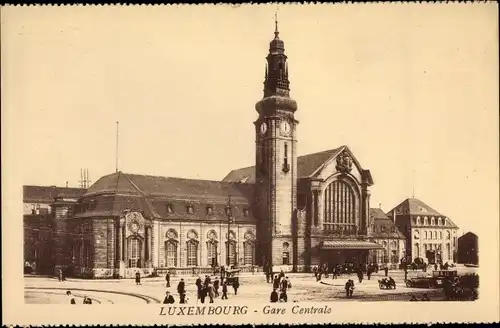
430	235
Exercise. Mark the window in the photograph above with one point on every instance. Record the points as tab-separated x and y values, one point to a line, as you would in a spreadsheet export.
245	211
286	258
417	251
425	221
248	250
170	208
190	209
134	253
170	254
425	234
394	244
212	253
209	210
448	252
192	253
232	252
339	206
448	235
440	235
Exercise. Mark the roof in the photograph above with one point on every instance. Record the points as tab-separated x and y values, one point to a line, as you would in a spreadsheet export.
383	226
152	195
47	194
147	185
306	166
416	207
349	244
468	235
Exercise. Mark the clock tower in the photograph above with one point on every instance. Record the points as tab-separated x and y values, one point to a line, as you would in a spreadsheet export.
276	162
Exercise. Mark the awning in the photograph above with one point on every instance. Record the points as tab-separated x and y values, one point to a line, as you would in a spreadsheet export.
350	244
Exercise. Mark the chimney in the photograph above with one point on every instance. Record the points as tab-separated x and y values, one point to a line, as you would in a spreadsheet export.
66	184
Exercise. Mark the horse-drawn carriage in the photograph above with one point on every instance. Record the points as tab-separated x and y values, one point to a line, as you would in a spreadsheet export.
387	283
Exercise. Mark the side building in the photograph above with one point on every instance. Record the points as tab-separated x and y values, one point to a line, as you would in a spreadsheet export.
386	234
41	232
430	235
468	252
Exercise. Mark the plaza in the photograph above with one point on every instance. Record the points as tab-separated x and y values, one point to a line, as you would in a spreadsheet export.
253	289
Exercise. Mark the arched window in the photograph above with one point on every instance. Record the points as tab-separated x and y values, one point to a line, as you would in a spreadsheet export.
425	221
448	235
212	252
432	221
171	253
134	253
192	252
248	252
339	210
394	244
286	253
417	250
232	252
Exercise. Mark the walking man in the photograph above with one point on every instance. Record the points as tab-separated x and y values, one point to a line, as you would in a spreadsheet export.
167	278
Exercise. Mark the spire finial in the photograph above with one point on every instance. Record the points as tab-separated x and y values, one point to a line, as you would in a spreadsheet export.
276	33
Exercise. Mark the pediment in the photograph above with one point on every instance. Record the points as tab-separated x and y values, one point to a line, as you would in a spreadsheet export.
343	162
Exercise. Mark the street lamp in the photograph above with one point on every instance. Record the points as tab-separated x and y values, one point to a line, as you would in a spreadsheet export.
229	214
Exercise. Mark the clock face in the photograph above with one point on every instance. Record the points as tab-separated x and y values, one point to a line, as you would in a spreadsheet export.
285	127
263	128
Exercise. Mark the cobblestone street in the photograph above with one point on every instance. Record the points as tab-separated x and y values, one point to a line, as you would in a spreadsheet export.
253	289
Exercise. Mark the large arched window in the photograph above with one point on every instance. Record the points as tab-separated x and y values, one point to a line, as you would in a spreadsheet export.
171	253
339	207
192	252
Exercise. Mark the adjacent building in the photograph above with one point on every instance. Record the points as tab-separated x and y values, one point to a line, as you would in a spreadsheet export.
468	249
386	234
430	235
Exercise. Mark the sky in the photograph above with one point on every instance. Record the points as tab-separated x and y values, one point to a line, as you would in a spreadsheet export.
411	89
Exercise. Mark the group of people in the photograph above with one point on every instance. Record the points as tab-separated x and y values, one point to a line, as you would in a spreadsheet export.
86	300
281	284
347	269
204	289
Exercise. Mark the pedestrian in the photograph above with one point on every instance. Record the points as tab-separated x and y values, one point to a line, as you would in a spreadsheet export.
274	296
360	275
71	298
216	287
315	271
369	273
181	287
86	300
169	299
236	285
211	293
167	278
283	296
276	282
207	280
348	288
425	298
183	299
386	270
435	267
289	285
282	274
60	274
406	274
137	278
203	293
198	288
224	291
284	284
413	298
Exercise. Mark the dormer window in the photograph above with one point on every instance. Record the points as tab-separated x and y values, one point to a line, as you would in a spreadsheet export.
190	209
170	209
210	210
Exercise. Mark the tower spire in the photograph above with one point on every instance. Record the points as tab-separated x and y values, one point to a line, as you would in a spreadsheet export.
276	32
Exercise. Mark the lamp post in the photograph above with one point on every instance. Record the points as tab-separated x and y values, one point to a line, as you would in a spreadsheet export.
229	214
